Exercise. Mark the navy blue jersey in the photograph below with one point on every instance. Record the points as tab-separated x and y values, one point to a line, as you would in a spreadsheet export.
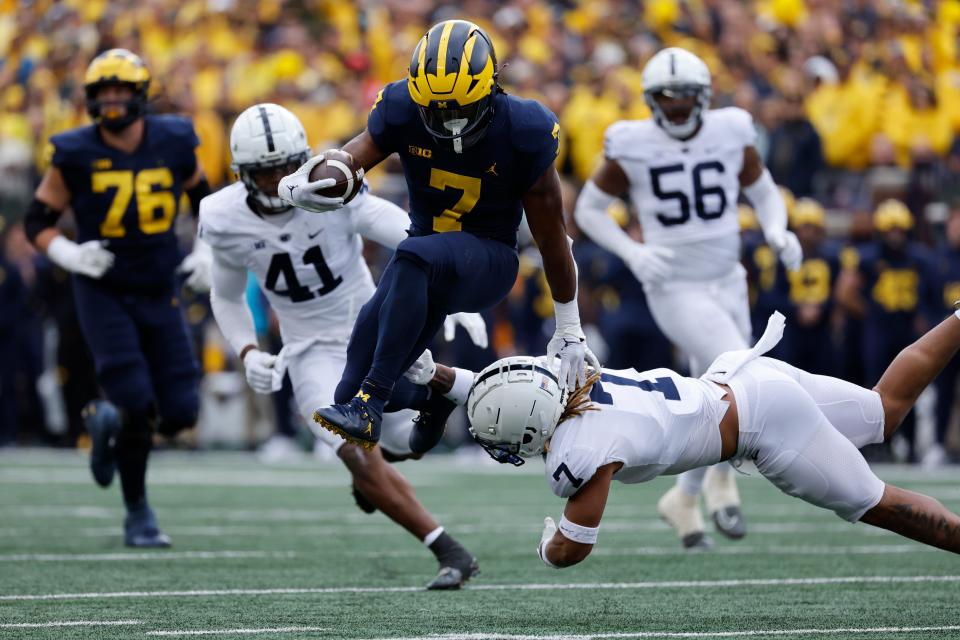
130	199
897	285
478	191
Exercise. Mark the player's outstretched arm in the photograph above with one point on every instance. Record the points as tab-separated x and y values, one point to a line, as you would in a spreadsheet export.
758	185
543	205
572	540
648	263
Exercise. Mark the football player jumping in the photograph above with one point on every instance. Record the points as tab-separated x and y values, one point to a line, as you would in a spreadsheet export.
801	430
683	171
475	160
123	176
311	269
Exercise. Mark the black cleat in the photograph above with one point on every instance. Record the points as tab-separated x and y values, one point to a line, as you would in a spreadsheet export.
730	522
355	421
365	505
103	424
429	425
454	575
697	541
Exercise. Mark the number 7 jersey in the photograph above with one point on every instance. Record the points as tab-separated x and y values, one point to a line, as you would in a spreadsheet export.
684	190
654	422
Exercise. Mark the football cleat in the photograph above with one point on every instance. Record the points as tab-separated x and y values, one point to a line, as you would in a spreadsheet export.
355	422
723	502
455	574
140	530
362	503
103	424
429	425
682	512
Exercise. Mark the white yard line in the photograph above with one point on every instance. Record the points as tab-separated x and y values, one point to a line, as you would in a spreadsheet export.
667	584
157	555
69	623
222	632
680	634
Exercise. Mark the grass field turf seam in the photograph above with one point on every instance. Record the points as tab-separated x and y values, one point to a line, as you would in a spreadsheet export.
499	523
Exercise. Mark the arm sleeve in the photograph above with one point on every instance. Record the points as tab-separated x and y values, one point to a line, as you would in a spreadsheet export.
228	301
768	203
379	220
591	216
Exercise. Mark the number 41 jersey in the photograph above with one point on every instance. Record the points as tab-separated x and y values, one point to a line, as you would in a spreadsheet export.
686	190
309	265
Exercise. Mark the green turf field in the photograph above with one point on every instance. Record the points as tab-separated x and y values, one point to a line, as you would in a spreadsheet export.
282	552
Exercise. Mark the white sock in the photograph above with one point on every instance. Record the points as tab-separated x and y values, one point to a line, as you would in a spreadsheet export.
432	536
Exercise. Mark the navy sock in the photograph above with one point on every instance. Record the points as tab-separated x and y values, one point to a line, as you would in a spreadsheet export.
407	395
132	451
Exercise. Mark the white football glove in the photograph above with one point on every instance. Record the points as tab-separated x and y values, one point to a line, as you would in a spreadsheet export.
788	249
297	190
648	263
571	347
549	528
90	259
259	367
198	264
472	323
422	371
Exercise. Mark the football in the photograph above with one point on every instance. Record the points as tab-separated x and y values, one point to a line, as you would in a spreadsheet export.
340	166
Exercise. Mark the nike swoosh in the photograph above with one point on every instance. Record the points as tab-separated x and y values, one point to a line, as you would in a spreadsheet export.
725	521
314	235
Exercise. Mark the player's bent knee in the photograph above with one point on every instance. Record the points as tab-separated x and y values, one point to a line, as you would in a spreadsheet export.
170	426
362	464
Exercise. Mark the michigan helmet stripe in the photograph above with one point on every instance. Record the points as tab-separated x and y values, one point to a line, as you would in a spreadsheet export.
448	65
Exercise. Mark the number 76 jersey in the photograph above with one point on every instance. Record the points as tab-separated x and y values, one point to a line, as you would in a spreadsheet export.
685	190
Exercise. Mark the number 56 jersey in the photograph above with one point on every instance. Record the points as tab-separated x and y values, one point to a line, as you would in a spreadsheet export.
309	265
686	190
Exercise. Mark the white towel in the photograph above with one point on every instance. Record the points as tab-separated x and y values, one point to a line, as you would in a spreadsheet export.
728	363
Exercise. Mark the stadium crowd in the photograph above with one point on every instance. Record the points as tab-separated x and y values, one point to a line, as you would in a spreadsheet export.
857	105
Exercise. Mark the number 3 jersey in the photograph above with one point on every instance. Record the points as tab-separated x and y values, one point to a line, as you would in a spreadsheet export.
655	422
130	199
686	191
309	265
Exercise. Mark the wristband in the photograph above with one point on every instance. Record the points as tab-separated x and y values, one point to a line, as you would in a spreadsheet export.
542	552
576	532
568	315
462	383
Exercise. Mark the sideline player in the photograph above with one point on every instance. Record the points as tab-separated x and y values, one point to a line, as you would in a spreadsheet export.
802	431
310	266
683	171
475	160
122	177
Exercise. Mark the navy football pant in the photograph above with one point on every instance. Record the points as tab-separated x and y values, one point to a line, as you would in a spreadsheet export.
428	278
142	352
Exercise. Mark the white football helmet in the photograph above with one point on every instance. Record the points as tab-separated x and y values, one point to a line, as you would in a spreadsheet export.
513	408
267	136
677	73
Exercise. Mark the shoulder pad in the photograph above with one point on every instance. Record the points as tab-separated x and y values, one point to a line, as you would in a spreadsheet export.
532	126
618	137
570	468
395	98
738	123
215	213
174	126
69	142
